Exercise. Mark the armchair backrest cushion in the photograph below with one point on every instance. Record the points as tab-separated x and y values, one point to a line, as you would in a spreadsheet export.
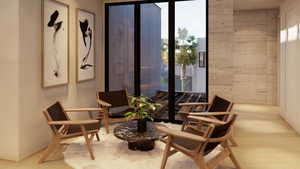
115	98
218	132
220	105
56	113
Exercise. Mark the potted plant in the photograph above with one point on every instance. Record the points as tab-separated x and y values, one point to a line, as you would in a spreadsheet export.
142	112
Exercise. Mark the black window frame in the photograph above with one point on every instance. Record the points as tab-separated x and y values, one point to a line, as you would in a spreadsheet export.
137	50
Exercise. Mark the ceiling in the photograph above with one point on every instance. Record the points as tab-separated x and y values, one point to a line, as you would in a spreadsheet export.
256	4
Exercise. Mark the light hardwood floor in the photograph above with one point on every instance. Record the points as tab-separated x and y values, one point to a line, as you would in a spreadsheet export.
265	141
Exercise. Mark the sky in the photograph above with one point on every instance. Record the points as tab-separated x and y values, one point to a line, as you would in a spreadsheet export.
188	14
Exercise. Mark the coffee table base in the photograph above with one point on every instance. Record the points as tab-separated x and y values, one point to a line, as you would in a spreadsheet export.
144	145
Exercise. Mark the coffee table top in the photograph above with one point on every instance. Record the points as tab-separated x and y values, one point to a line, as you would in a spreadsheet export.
128	131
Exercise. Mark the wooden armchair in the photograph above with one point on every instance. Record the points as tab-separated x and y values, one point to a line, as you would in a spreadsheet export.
115	104
198	143
218	111
218	104
63	128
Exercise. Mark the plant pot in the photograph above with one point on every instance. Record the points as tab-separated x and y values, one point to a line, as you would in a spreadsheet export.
141	125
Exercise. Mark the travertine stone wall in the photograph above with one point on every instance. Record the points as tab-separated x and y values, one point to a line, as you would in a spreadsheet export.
220	48
243	53
255	59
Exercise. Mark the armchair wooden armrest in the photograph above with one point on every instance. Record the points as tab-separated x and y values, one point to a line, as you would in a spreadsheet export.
210	113
206	119
193	104
181	134
73	122
103	103
83	109
220	139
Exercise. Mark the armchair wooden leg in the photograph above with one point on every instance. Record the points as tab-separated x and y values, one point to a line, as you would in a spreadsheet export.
166	153
97	136
233	158
107	126
50	148
199	160
87	140
91	116
183	125
233	142
92	138
106	122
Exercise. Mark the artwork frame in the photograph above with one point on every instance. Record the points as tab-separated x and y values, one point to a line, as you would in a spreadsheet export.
55	16
85	45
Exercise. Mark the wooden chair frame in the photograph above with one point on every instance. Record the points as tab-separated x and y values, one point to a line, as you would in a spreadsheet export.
198	153
61	134
186	111
186	107
106	106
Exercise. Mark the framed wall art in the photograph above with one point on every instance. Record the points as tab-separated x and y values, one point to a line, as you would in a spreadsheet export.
202	59
85	45
55	29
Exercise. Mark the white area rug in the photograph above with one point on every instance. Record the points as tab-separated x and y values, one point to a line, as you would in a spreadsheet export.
112	153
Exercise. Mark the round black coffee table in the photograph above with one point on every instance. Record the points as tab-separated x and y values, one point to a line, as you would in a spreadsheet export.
138	141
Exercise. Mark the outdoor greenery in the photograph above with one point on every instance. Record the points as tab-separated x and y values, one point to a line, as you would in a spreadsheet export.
142	108
185	54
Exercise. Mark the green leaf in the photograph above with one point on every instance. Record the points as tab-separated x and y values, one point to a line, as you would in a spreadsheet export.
142	104
143	99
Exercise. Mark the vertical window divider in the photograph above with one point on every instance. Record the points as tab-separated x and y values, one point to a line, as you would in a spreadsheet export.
207	48
106	58
171	60
137	49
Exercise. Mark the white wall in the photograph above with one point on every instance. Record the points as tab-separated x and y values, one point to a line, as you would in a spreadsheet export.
9	61
22	95
290	63
34	133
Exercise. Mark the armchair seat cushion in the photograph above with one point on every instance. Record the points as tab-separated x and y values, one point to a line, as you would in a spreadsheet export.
88	127
120	112
187	143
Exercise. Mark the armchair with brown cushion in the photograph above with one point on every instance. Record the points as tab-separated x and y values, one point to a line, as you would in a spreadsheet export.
218	110
199	143
115	104
64	128
218	104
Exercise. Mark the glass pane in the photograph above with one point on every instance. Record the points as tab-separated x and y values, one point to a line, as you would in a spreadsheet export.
154	55
190	54
121	48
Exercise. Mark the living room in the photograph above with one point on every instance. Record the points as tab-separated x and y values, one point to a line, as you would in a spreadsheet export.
179	55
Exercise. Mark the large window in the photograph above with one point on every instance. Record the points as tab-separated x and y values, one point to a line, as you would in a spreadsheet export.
190	52
121	47
154	53
158	50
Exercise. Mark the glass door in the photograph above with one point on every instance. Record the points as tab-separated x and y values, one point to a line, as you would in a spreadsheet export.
158	50
120	39
154	55
190	52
